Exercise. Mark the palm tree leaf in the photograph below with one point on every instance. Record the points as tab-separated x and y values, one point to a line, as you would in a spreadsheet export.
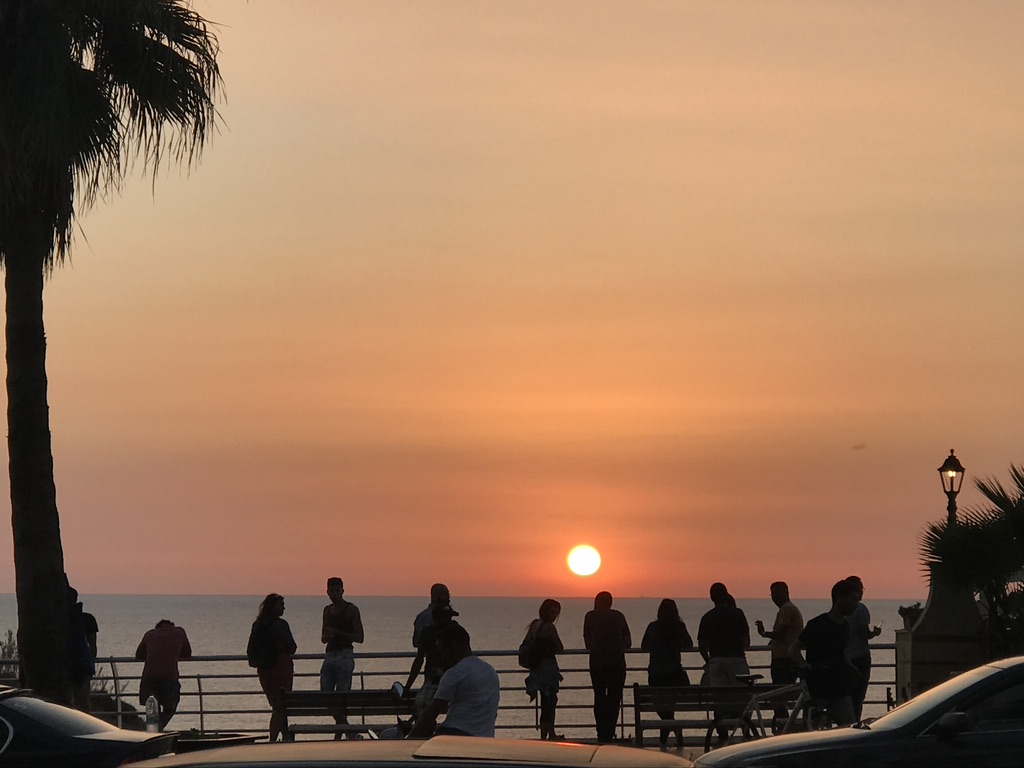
984	550
88	86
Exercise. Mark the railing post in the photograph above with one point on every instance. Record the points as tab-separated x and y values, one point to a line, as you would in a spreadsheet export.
117	692
202	710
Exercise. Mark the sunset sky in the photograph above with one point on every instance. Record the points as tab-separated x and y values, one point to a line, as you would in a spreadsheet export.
713	287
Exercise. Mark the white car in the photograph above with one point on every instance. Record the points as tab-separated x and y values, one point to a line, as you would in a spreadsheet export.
438	752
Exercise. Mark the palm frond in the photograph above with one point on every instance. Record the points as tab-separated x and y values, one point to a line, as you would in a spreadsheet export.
159	58
984	550
86	88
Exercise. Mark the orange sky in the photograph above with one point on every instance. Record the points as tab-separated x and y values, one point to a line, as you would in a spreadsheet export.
713	287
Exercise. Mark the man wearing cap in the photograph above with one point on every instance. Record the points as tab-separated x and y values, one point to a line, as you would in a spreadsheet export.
439	595
428	657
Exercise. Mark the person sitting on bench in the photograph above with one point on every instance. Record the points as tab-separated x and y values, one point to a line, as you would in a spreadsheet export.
468	691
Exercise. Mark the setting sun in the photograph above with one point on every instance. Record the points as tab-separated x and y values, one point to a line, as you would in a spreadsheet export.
584	560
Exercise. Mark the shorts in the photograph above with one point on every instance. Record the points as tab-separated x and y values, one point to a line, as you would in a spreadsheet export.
336	671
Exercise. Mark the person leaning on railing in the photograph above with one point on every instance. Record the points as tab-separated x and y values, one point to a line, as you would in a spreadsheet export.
161	648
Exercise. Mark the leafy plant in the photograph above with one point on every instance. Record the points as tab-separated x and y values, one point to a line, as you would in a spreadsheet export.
984	552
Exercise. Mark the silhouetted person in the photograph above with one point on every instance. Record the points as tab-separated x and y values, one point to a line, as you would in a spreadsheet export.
439	595
469	691
857	649
428	657
830	677
722	639
665	639
342	626
161	648
788	625
82	648
606	636
270	650
544	675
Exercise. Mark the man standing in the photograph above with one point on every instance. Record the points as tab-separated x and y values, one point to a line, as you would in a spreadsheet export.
829	675
722	639
468	692
789	623
341	627
606	636
858	652
428	657
439	595
161	648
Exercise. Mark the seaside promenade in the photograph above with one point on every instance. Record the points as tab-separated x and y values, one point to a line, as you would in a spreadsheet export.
222	694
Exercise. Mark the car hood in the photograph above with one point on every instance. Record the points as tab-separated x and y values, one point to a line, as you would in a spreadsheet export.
128	737
445	749
762	749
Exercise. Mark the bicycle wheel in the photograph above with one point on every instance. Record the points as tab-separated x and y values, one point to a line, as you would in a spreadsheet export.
809	717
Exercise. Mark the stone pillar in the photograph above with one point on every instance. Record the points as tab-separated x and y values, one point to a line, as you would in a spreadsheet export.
946	640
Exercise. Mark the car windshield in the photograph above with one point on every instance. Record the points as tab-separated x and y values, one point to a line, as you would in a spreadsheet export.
61	719
933	697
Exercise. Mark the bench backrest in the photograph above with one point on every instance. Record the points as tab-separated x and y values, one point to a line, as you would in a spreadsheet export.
694	697
352	703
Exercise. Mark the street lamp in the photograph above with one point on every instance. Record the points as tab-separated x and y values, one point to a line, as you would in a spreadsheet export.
952	475
946	639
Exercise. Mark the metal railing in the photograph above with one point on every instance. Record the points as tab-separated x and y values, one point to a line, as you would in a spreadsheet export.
222	694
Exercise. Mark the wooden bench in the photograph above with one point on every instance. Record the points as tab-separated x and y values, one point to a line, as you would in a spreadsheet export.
697	707
353	706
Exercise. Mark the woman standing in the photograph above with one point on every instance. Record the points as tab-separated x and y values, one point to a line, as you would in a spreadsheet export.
544	677
270	651
665	639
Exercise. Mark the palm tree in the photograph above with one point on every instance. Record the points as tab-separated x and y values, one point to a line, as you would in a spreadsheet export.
984	552
88	88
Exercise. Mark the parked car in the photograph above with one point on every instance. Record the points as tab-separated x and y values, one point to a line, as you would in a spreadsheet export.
974	719
34	732
438	752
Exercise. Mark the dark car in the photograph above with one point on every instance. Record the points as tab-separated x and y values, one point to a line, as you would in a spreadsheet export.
974	719
34	732
438	752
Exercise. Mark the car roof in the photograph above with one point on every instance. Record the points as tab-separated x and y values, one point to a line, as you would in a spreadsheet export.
1007	663
438	749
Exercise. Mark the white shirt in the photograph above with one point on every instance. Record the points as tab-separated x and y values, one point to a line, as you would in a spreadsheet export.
472	691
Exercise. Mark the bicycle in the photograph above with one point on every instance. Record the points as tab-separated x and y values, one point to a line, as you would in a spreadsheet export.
804	715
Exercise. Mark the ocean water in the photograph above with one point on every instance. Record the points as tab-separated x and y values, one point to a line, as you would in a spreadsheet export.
218	626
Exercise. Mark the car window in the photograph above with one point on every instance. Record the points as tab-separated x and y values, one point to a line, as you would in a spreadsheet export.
925	702
1002	711
61	719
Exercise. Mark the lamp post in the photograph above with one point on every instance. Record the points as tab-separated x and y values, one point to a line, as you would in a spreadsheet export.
952	475
947	636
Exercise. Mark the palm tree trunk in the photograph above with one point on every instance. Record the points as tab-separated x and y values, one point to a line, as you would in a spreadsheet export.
41	585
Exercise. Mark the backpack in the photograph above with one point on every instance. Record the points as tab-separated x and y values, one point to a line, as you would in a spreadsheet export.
530	651
525	652
261	652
